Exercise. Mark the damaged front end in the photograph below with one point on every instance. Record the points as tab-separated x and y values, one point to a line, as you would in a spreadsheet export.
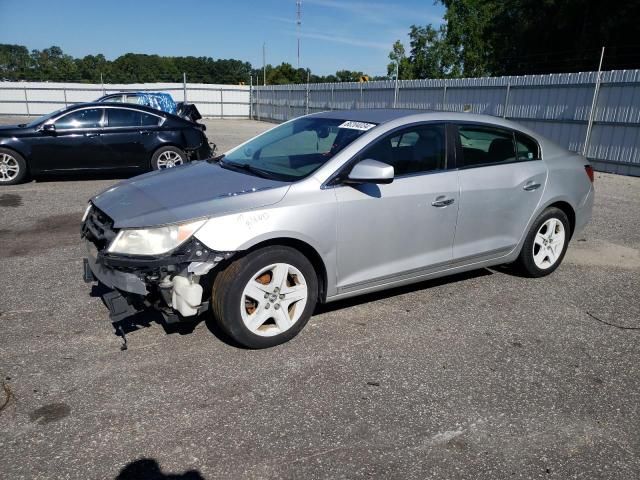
175	283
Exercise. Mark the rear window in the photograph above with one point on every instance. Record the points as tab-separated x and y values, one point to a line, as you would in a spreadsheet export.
486	145
527	148
130	118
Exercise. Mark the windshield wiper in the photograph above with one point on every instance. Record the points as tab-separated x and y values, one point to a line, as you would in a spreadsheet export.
249	168
216	159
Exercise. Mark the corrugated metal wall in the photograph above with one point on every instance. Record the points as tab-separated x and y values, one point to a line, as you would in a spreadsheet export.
558	106
39	98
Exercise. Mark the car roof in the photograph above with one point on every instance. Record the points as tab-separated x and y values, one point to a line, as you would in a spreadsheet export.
373	115
384	115
134	106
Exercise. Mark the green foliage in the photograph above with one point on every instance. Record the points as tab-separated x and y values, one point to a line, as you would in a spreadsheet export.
52	64
399	57
515	37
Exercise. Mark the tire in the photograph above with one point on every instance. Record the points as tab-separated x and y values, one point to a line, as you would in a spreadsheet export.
260	322
13	168
168	157
545	245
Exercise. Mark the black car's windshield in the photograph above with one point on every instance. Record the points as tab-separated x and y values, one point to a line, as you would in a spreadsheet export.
44	118
295	149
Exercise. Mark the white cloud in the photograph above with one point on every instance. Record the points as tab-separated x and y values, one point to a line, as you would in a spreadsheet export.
353	41
383	13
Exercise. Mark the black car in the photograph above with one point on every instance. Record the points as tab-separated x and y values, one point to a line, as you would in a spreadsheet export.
99	137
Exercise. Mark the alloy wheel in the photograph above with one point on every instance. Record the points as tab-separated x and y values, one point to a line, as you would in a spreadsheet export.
274	299
169	159
9	167
548	243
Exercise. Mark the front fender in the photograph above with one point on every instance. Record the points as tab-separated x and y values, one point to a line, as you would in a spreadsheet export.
311	222
17	145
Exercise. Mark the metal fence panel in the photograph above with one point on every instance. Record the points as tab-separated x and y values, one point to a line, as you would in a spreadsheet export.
38	98
557	106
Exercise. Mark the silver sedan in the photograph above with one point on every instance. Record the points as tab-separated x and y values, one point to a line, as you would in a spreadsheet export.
330	206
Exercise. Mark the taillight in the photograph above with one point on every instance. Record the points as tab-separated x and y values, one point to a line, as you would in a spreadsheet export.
589	170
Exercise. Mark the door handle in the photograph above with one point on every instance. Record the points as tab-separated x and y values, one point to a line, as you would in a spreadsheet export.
442	201
531	186
91	134
144	132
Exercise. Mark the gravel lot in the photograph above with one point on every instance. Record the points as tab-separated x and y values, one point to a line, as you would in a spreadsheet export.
482	375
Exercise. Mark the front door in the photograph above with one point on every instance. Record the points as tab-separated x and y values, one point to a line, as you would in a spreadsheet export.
390	232
501	183
75	144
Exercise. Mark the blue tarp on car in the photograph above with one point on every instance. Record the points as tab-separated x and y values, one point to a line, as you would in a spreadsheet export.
157	100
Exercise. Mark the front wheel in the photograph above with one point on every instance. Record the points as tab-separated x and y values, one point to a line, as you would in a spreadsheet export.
13	168
546	244
266	297
168	157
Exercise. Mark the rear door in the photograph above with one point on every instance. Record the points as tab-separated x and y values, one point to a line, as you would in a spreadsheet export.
130	137
501	182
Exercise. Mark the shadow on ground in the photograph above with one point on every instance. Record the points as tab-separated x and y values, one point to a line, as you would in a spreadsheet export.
145	318
149	469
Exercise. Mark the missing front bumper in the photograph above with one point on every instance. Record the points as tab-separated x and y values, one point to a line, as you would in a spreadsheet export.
173	285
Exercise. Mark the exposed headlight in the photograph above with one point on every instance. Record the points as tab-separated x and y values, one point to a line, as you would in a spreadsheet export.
153	241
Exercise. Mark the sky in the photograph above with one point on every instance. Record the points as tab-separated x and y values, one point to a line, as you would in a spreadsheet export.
335	34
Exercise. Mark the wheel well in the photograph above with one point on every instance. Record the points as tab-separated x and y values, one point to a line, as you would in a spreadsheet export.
308	251
568	211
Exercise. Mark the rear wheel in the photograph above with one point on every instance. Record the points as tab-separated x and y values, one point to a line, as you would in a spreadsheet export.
266	297
168	157
546	244
13	168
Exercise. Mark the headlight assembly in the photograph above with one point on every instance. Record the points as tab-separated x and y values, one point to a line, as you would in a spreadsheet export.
153	241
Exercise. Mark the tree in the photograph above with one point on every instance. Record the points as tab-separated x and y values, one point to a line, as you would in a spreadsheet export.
514	37
15	62
470	35
398	55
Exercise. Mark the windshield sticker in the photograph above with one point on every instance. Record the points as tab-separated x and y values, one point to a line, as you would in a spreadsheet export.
357	125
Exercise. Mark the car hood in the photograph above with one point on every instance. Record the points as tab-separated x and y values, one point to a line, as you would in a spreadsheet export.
11	130
195	190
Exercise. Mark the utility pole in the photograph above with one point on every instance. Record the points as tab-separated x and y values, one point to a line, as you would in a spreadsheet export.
298	25
264	63
395	90
592	113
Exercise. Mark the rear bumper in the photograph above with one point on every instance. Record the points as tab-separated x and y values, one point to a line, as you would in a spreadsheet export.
203	152
584	212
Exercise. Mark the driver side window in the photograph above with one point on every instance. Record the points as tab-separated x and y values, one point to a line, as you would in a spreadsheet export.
86	118
414	150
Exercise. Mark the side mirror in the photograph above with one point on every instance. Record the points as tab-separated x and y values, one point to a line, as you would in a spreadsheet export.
49	128
370	171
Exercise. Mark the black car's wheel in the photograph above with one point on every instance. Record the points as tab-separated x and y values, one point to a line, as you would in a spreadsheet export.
266	297
546	244
13	168
168	157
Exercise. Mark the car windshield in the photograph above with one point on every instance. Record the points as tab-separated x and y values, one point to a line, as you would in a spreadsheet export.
295	149
44	118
